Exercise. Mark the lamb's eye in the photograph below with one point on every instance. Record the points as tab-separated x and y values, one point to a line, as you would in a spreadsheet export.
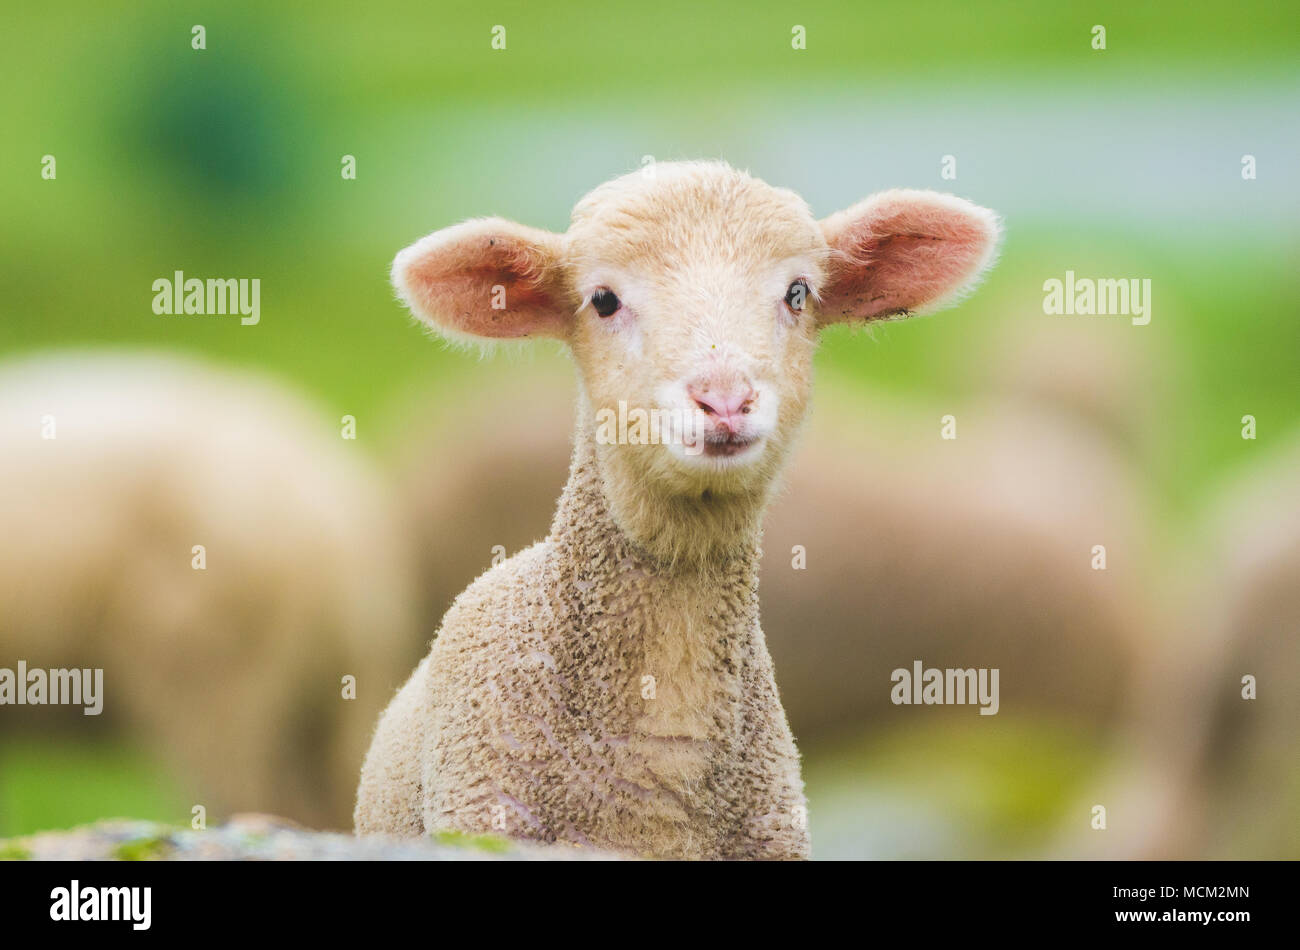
796	295
605	302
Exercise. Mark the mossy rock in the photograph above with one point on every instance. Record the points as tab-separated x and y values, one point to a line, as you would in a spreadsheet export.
148	848
493	844
13	851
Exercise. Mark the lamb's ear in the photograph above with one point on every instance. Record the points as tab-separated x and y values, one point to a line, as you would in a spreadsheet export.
899	252
487	278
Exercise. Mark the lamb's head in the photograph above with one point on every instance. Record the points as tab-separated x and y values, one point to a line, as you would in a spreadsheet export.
691	296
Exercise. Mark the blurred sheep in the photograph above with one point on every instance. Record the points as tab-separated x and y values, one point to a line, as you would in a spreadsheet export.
971	552
1250	761
479	483
1205	772
233	673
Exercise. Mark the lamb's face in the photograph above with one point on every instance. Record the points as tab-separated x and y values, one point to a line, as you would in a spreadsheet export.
696	325
691	295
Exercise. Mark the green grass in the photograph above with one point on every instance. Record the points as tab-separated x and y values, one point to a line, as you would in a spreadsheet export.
993	787
406	51
493	844
56	784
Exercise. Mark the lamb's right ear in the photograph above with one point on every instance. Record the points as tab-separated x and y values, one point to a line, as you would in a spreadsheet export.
487	278
901	252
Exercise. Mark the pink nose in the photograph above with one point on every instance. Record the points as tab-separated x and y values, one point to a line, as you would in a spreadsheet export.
725	405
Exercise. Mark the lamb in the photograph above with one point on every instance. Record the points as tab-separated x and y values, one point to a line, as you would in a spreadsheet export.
610	685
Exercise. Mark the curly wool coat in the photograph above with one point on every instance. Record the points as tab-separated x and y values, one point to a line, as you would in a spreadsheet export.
581	692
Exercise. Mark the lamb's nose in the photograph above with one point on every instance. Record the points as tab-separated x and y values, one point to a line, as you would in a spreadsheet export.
725	405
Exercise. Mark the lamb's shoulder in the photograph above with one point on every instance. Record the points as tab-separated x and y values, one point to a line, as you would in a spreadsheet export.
775	821
491	749
501	600
494	630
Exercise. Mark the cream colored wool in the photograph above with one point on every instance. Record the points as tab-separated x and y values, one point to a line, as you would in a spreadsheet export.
610	686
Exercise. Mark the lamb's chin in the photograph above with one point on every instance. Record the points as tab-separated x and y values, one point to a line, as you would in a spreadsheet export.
717	458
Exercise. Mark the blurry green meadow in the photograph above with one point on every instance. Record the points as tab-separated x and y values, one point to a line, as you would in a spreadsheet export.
226	161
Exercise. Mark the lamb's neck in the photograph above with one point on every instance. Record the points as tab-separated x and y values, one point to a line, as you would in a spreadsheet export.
685	630
695	539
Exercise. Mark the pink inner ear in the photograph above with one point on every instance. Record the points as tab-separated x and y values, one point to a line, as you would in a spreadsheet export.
900	254
451	282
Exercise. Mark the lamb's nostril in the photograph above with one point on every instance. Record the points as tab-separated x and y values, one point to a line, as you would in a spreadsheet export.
722	403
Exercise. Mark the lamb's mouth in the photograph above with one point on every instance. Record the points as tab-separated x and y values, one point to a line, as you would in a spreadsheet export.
723	446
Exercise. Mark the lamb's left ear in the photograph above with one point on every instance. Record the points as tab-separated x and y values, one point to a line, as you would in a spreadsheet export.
903	251
488	278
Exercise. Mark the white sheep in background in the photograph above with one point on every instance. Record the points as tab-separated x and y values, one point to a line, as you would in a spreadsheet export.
610	685
113	468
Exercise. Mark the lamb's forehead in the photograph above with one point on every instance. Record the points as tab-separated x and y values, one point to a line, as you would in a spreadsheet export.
693	211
